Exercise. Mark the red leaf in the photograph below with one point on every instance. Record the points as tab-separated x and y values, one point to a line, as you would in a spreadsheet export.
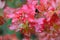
1	20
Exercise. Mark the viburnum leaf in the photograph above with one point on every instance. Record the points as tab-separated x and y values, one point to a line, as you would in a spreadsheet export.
8	22
15	3
10	3
19	35
8	31
1	12
5	27
33	36
19	3
1	31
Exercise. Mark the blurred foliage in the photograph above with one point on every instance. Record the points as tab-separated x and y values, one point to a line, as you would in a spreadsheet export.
33	36
4	28
15	3
19	35
1	12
